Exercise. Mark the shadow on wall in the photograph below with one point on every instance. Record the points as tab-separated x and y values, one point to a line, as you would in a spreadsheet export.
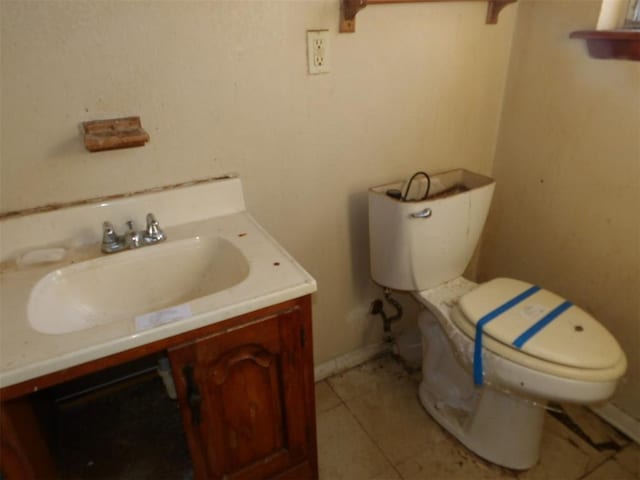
359	244
364	287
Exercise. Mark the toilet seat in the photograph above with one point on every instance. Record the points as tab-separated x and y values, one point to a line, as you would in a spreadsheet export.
444	301
564	341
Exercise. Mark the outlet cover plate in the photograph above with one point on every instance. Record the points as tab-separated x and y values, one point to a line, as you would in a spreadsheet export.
318	52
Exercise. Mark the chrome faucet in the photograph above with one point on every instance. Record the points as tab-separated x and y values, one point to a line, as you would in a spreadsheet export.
112	242
153	233
132	239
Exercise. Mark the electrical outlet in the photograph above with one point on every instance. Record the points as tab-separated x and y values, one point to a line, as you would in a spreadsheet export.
318	54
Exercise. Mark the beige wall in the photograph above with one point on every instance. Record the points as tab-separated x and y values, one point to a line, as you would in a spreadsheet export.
566	209
222	86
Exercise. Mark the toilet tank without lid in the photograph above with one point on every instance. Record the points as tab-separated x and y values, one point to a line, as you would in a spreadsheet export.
408	253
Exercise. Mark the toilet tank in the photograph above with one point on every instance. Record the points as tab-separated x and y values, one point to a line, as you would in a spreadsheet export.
408	253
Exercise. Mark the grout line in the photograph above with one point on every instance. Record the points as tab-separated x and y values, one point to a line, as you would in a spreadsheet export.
622	465
333	390
340	402
373	440
589	472
362	427
353	415
607	459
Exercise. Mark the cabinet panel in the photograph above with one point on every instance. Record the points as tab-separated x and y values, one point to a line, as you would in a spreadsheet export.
24	454
243	398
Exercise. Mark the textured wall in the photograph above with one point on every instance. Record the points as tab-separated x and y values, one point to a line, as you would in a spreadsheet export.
565	212
222	86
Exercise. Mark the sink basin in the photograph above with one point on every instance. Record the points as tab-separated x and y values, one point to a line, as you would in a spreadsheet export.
121	286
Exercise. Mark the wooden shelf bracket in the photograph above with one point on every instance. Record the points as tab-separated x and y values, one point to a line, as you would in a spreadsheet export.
350	8
494	8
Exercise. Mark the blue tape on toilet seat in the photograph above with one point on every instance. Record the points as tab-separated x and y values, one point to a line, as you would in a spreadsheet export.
540	324
477	352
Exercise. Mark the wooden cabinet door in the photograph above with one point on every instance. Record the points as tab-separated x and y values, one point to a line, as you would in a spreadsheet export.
244	394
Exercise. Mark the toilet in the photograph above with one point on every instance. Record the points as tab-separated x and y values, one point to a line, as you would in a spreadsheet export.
494	354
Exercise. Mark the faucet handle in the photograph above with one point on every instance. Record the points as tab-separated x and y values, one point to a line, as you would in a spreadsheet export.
108	232
151	220
111	242
153	232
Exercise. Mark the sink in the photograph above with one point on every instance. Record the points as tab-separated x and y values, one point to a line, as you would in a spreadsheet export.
63	303
124	285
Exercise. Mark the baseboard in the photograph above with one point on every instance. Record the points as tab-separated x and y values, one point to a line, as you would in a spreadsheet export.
349	360
620	420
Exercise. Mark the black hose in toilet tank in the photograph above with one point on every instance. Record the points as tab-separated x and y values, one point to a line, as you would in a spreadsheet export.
426	194
397	194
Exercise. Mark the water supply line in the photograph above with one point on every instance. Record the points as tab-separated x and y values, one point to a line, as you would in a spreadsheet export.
377	308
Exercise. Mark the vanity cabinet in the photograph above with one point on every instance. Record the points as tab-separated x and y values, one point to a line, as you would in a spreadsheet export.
245	390
246	397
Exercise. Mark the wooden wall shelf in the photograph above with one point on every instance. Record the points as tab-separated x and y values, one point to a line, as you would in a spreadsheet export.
349	9
616	44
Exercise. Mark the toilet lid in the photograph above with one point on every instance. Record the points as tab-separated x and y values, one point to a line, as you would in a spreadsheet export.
539	323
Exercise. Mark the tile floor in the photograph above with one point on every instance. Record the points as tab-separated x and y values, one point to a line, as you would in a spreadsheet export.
370	423
372	426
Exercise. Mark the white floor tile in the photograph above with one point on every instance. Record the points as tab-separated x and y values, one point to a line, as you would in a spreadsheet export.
326	399
447	460
390	474
371	426
610	470
345	452
629	459
396	421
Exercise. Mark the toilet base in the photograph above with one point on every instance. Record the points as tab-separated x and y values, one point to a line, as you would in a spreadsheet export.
503	430
499	427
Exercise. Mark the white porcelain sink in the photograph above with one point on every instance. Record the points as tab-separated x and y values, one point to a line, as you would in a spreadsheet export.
126	284
64	303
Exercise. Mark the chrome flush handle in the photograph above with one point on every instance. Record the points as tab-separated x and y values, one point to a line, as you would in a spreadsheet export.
426	213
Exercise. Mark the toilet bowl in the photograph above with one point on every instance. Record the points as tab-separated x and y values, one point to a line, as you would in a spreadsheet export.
494	354
502	420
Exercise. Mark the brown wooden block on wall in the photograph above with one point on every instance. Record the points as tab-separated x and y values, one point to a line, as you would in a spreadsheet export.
114	133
